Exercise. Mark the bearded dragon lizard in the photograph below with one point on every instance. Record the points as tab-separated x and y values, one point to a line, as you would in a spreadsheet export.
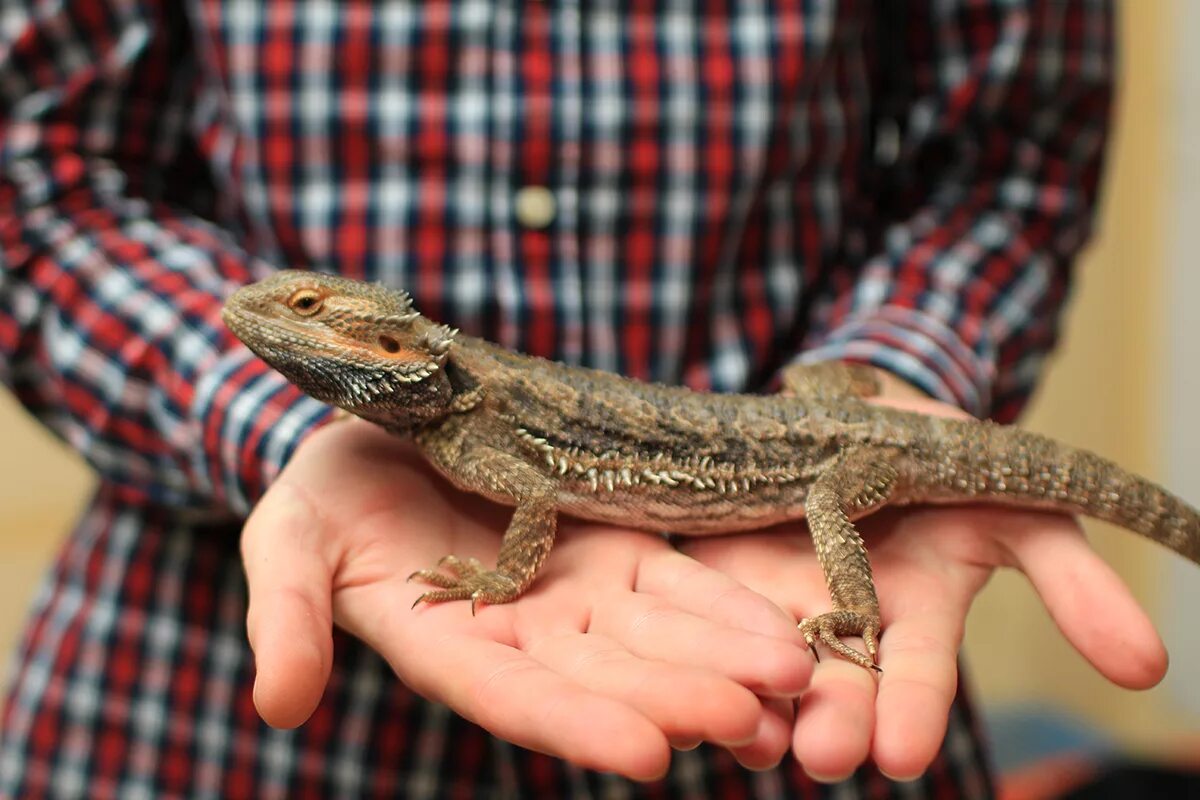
548	438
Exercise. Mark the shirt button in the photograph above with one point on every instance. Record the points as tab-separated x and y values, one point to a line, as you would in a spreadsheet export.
536	207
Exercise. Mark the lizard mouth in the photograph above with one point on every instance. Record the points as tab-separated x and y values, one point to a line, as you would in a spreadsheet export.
279	342
266	335
236	320
243	324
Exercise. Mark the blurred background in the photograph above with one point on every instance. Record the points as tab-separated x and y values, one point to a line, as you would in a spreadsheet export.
1125	383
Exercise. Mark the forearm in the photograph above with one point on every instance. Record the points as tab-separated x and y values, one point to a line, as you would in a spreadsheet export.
960	286
110	297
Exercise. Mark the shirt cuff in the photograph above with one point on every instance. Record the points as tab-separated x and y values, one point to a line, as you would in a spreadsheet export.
916	347
252	420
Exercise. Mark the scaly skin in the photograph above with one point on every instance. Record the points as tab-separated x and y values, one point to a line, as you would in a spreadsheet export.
548	438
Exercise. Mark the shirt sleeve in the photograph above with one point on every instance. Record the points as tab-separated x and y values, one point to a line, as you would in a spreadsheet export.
110	292
992	119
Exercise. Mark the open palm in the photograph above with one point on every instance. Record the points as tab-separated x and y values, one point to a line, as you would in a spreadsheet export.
622	647
929	564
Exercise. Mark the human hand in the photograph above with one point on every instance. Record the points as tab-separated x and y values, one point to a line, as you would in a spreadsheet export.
929	564
621	647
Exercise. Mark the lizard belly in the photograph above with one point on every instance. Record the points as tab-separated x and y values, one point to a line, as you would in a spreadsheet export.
685	510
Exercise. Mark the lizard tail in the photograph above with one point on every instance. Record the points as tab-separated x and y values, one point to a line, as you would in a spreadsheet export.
1034	470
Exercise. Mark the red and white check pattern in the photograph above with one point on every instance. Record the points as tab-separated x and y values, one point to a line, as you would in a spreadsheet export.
733	186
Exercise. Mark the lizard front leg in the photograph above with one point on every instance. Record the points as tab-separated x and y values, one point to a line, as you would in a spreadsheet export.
860	483
526	543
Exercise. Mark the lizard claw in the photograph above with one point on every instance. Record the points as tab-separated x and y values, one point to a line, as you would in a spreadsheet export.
828	627
468	581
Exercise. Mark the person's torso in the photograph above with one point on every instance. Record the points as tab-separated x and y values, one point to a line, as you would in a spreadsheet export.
655	189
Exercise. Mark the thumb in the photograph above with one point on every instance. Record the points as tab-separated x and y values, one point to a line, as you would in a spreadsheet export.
289	621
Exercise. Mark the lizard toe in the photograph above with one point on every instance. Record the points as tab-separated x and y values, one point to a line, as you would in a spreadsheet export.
827	628
470	581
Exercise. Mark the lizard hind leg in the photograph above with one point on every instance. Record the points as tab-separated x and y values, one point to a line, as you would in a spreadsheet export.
860	483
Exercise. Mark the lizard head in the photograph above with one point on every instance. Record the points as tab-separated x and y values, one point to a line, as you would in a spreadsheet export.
356	345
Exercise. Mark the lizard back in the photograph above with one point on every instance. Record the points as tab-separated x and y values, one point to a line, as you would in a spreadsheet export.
657	456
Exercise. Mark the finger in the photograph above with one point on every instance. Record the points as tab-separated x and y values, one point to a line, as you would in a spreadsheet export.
711	594
686	703
919	648
835	720
521	701
289	620
772	738
1089	602
653	628
498	686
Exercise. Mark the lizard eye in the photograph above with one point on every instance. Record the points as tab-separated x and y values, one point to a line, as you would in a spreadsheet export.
305	302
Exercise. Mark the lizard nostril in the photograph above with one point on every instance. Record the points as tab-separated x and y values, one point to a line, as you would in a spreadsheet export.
389	344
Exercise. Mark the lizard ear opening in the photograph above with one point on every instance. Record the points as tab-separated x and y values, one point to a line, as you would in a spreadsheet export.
389	344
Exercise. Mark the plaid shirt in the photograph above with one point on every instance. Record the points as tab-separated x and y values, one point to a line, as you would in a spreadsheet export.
680	191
